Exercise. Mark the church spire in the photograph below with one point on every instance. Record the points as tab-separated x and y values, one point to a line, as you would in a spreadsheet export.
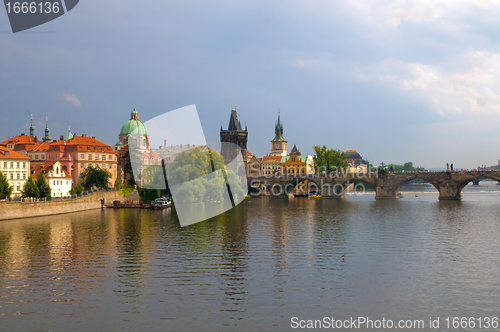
32	129
47	138
278	130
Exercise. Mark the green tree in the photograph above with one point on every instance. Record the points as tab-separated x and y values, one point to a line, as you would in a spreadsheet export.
95	177
148	194
194	169
76	189
30	189
328	159
407	167
44	189
5	188
235	186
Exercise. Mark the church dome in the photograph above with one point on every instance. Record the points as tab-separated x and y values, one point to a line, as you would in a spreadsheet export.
134	124
69	135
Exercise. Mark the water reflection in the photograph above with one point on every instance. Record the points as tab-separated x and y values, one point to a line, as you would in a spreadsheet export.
253	267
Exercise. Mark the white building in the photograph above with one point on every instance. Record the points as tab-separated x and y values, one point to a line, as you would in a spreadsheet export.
15	167
59	181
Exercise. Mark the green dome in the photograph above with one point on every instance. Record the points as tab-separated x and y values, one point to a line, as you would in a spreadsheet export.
131	125
69	135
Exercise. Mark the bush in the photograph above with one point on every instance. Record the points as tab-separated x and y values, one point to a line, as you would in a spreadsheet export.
76	190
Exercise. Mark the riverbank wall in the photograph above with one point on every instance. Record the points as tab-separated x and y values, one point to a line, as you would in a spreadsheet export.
16	210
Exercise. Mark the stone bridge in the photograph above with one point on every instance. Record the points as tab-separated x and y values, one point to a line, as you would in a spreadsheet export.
385	184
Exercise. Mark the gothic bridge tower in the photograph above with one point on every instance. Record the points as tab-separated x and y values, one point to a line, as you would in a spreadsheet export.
234	134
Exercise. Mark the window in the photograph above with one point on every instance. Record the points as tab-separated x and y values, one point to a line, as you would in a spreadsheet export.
82	156
43	156
18	176
82	165
36	157
18	188
103	157
24	165
5	164
24	176
90	157
12	176
96	165
18	164
110	166
96	157
104	166
110	157
11	164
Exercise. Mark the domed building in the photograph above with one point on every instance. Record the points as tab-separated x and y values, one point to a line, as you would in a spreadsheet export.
137	130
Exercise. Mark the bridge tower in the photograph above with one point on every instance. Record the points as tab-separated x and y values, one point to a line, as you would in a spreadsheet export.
234	134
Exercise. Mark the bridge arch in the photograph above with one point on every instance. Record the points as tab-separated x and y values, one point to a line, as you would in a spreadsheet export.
389	184
484	175
402	183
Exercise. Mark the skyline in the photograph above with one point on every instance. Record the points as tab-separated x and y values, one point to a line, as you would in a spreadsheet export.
397	80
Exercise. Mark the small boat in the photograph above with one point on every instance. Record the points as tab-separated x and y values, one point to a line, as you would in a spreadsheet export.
161	203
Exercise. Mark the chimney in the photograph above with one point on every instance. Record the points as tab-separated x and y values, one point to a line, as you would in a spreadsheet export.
181	146
84	135
164	143
188	146
61	138
36	139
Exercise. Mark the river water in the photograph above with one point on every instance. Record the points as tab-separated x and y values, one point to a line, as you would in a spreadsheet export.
255	267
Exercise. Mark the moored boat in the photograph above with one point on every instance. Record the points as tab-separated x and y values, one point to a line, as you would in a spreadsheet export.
161	203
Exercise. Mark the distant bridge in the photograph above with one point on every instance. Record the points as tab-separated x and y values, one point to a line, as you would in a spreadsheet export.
385	184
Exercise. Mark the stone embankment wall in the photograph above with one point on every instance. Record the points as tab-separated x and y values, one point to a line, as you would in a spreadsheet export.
14	210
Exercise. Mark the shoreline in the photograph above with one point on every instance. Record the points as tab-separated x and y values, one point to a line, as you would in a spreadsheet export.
21	210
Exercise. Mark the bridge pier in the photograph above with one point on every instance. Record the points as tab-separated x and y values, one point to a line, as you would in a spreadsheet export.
329	191
281	190
448	191
385	193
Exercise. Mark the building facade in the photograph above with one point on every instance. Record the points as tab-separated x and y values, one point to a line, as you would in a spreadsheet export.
296	164
73	152
16	168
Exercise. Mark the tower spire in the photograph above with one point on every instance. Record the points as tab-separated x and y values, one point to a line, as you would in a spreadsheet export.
47	138
32	129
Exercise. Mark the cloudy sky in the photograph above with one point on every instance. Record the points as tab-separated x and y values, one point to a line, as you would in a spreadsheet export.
397	80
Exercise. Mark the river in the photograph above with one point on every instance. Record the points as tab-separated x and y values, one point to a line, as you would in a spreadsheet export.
258	267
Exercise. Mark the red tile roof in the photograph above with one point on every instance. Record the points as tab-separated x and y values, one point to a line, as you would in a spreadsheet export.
275	158
11	154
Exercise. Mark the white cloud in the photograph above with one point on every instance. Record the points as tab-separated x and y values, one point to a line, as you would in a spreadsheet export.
474	90
483	4
418	11
71	98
